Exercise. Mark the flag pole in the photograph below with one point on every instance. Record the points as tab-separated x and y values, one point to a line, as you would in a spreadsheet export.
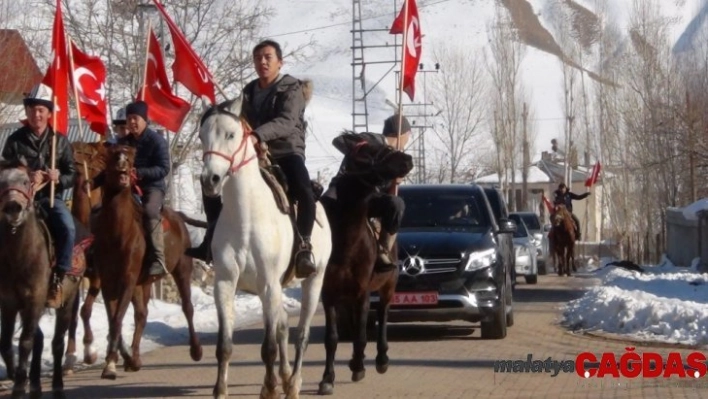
75	83
400	85
147	61
52	186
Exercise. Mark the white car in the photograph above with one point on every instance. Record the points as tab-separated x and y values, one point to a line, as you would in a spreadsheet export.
525	250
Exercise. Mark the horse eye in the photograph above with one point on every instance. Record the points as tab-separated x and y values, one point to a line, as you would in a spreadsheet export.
230	136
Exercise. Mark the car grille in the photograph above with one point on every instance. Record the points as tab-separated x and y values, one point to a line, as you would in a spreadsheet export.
425	265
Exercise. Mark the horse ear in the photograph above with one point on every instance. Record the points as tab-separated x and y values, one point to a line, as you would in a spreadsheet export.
23	161
233	106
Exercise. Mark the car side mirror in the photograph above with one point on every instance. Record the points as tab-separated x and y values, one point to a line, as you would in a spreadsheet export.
546	228
507	226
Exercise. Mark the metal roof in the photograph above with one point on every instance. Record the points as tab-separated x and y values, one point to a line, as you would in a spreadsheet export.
74	135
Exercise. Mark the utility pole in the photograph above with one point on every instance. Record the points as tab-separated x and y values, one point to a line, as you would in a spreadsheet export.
526	160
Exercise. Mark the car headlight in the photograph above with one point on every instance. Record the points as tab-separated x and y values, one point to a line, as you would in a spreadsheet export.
520	250
538	238
481	259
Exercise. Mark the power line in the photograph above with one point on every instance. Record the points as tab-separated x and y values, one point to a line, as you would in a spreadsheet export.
348	22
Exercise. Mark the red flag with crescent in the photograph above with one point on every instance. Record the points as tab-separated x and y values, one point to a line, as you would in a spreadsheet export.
164	107
57	76
89	76
412	46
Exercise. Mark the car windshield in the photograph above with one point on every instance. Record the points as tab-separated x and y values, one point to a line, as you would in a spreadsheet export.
441	209
531	221
521	230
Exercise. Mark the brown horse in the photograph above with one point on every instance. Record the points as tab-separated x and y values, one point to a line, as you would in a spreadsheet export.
89	160
349	276
120	239
562	239
26	257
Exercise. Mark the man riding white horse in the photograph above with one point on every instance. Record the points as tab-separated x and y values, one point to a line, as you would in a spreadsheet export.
274	106
565	197
33	142
383	205
152	165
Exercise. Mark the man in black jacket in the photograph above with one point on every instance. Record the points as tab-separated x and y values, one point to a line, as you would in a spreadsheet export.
565	197
33	142
383	205
152	165
274	106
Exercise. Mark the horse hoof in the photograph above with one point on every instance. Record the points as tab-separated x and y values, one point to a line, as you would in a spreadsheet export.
326	388
268	394
59	394
132	367
90	356
358	375
292	394
36	393
109	372
68	367
382	368
196	352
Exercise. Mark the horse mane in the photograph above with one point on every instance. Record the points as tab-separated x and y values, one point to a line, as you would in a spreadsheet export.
17	163
567	219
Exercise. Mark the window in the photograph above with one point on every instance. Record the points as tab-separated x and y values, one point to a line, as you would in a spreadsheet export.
531	221
443	209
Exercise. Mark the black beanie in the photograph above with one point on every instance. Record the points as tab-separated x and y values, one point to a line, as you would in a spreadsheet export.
391	126
139	108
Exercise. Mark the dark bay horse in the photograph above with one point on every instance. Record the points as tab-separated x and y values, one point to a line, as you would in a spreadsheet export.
120	248
89	160
25	266
349	277
562	239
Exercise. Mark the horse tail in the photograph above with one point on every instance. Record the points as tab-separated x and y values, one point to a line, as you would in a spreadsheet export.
191	221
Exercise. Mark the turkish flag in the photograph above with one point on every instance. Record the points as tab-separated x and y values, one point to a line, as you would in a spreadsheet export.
188	68
547	203
593	175
89	76
412	46
57	76
164	107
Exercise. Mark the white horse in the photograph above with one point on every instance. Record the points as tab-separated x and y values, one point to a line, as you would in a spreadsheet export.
252	247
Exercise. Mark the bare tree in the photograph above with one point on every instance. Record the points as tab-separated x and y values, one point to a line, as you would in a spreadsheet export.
458	90
503	62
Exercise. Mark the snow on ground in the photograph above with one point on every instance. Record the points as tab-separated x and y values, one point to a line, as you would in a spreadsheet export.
166	325
665	303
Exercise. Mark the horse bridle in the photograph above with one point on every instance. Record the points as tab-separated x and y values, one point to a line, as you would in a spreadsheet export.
28	194
232	158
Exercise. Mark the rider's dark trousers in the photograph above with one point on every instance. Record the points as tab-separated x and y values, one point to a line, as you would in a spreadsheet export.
389	209
300	189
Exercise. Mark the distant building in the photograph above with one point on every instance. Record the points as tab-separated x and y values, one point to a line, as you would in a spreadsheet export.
18	69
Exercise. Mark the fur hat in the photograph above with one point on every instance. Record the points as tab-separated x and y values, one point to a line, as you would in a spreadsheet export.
120	117
40	95
139	108
391	126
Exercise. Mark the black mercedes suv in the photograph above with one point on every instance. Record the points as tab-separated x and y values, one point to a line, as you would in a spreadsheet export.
452	265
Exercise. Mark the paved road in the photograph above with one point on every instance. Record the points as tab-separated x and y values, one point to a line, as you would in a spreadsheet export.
427	361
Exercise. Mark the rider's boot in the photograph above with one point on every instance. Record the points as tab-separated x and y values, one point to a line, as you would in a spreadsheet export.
212	208
59	284
304	260
156	238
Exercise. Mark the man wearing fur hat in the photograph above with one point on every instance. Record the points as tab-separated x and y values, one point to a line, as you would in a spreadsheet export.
383	205
152	165
274	105
33	142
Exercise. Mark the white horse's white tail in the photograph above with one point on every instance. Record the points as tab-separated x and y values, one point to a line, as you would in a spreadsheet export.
251	248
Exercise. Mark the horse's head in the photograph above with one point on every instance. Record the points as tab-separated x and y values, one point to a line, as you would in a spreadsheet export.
559	214
375	164
119	165
225	140
93	154
16	194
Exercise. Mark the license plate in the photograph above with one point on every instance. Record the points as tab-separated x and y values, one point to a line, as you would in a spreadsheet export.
415	298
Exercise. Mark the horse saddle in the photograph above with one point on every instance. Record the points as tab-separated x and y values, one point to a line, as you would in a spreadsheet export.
82	243
276	180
